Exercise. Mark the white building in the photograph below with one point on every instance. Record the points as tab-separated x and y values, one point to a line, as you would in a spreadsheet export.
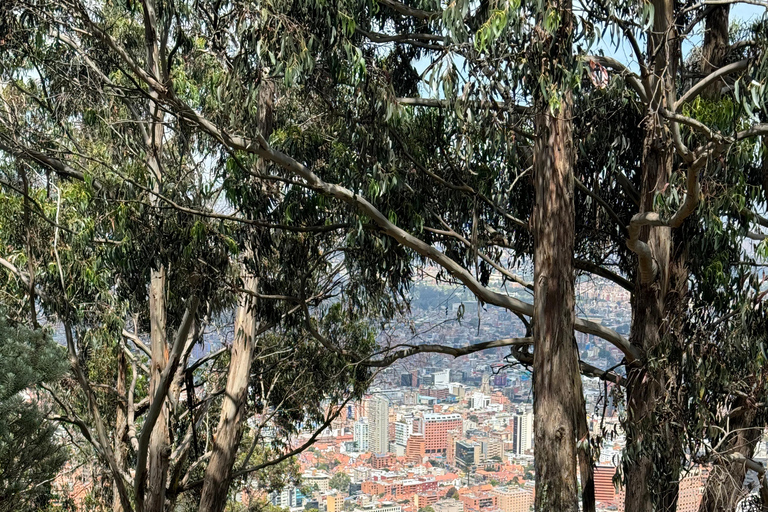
378	418
362	435
403	430
285	499
442	378
479	401
382	506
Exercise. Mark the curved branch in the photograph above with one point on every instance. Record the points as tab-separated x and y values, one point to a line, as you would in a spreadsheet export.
647	267
702	84
603	272
631	78
451	351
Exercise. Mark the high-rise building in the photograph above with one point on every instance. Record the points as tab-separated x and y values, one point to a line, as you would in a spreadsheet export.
406	380
522	434
378	418
468	453
450	453
479	401
500	380
403	430
362	435
605	490
485	387
436	427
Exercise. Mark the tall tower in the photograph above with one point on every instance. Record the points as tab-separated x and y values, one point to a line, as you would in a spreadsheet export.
362	435
378	418
523	432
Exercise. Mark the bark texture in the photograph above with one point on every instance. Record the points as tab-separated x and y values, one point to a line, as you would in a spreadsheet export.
556	377
160	439
715	47
652	468
725	485
230	427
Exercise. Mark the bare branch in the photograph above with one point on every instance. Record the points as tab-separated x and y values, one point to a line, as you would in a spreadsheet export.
165	382
443	349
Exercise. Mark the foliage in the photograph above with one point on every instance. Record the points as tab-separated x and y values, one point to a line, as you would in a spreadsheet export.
30	452
340	481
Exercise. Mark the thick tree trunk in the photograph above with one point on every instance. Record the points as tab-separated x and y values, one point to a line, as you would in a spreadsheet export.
652	467
556	378
557	395
230	428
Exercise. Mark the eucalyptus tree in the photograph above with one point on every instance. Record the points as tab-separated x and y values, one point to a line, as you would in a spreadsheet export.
113	228
446	179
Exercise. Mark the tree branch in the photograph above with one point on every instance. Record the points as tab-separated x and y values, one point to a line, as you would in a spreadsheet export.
165	382
702	84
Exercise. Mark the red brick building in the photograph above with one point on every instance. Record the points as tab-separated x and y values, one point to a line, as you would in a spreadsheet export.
436	428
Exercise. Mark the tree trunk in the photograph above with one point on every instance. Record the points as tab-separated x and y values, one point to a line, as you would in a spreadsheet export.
121	426
218	474
229	431
715	47
160	440
556	377
652	466
725	483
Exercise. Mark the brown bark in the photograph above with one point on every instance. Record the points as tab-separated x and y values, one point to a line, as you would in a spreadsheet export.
556	377
229	431
724	485
160	439
652	470
715	47
121	426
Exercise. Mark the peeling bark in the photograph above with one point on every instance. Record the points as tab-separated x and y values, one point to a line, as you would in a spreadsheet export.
218	474
556	377
160	439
